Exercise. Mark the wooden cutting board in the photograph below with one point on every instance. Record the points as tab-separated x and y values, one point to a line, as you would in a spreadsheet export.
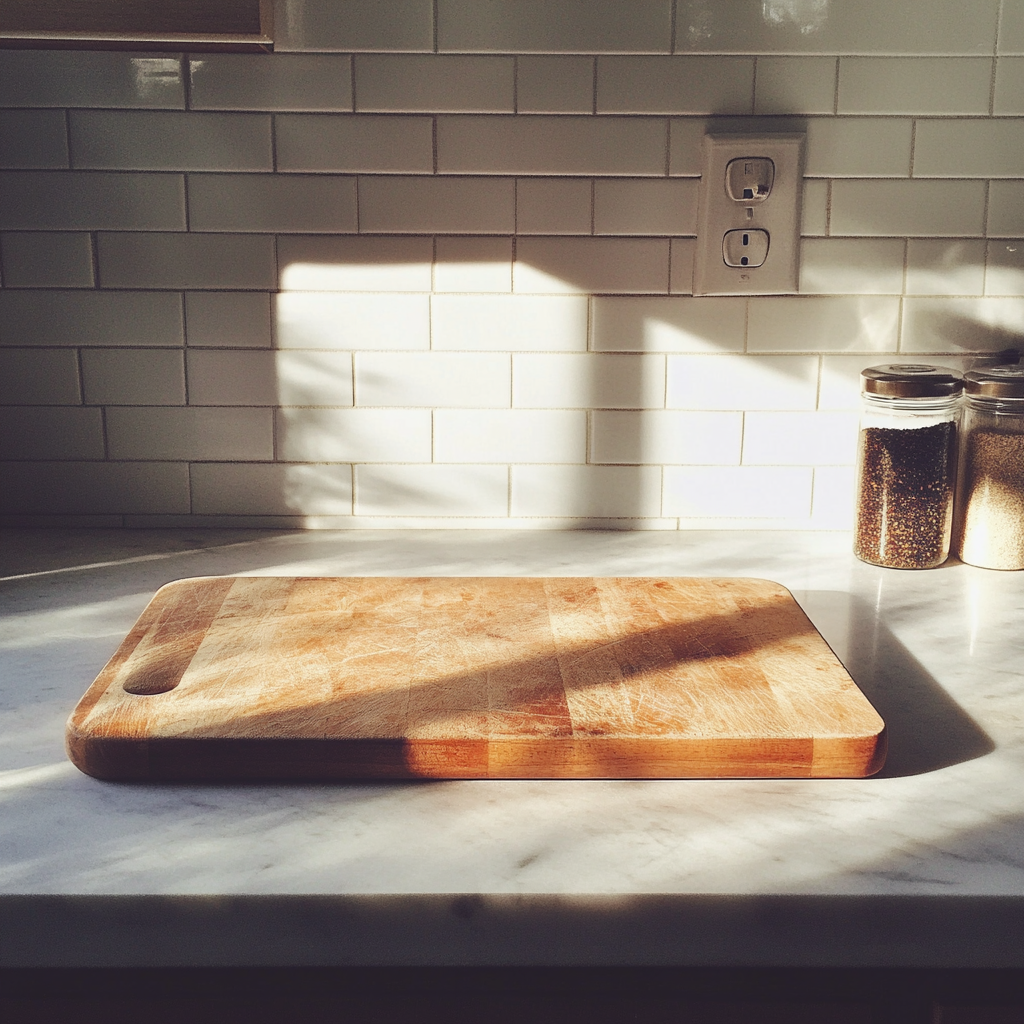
391	678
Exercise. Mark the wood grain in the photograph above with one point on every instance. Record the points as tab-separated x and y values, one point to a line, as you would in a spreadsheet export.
264	678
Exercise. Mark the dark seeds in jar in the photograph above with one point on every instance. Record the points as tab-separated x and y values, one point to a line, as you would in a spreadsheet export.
905	495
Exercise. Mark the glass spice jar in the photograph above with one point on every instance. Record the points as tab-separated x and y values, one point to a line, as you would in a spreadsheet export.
990	492
906	465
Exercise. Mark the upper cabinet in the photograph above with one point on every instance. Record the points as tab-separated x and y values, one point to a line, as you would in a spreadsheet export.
245	25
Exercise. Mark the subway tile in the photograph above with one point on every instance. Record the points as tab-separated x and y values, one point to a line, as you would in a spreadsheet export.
269	489
945	266
914	85
510	435
60	488
243	81
313	378
847	147
685	141
69	200
474	264
355	25
271	202
613	492
591	265
941	208
308	320
1011	27
969	148
591	381
185	260
443	205
1006	209
553	206
354	142
957	325
862	323
431	490
190	434
554	85
33	138
536	26
352	264
795	85
627	324
434	84
799	438
217	377
1009	91
228	319
39	376
645	206
133	376
50	432
681	266
513	323
843	266
840	380
866	26
675	85
353	435
90	78
476	380
662	436
1004	268
739	382
530	144
48	259
814	210
748	492
87	318
832	500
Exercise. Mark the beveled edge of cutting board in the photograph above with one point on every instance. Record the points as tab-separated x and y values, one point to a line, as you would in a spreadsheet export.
126	759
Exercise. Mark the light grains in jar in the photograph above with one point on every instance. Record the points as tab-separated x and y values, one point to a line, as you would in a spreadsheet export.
992	500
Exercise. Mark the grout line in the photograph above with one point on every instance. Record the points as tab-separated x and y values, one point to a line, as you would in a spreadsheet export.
668	147
835	89
81	384
184	191
433	143
593	205
913	145
94	256
352	80
992	87
672	27
357	177
828	209
103	428
999	27
515	84
67	136
434	25
984	214
594	89
906	264
273	142
186	80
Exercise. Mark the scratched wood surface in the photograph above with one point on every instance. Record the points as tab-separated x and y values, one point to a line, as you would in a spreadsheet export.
382	677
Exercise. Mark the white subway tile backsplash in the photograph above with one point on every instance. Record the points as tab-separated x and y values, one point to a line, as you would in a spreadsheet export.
39	376
707	324
444	205
957	325
510	435
270	202
431	83
832	503
939	208
479	380
1004	268
645	206
353	435
69	200
840	380
228	319
799	438
177	259
52	259
592	381
90	78
739	382
757	492
473	264
945	266
431	491
349	143
591	265
969	148
313	378
814	210
349	264
554	85
133	376
681	266
675	85
109	319
795	85
843	266
1008	97
309	320
551	145
50	432
243	81
685	140
514	323
355	25
190	434
865	323
269	489
662	436
1011	27
232	377
33	138
914	85
554	206
613	492
1006	209
858	147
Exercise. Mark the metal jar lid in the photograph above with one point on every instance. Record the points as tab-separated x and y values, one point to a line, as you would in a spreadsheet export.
995	382
911	380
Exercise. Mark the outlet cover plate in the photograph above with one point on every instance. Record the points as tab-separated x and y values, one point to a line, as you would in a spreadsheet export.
778	214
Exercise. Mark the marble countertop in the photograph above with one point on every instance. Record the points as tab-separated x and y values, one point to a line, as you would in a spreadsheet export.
920	865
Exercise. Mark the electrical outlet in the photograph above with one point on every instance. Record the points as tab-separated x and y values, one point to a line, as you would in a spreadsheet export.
748	215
